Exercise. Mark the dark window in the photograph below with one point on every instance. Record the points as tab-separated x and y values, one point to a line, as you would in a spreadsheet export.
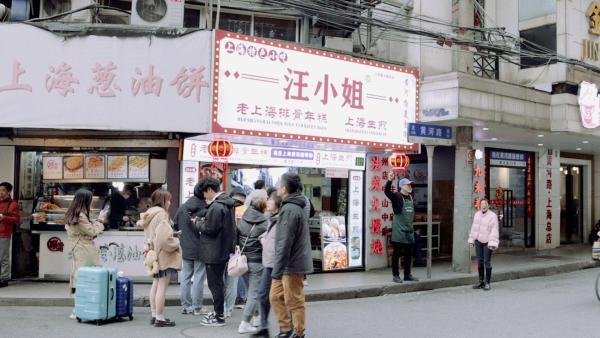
191	18
544	36
280	29
237	23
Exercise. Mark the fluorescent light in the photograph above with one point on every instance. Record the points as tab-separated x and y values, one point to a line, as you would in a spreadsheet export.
578	149
585	142
486	129
494	139
540	135
540	144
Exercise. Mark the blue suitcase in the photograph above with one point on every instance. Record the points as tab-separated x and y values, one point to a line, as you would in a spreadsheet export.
124	298
95	296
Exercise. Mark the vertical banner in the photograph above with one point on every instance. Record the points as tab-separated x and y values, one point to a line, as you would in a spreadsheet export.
355	219
379	213
548	218
189	178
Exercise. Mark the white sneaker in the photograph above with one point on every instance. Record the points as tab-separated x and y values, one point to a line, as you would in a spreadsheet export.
245	327
255	321
200	312
227	314
72	316
305	282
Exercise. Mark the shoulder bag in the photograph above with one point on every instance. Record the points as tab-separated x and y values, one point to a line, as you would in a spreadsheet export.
238	263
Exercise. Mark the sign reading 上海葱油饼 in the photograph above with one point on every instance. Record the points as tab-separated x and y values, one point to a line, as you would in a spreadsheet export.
283	90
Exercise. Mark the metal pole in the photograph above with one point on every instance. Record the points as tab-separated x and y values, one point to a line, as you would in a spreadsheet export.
430	150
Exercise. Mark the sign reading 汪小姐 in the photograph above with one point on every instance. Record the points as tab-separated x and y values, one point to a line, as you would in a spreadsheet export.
283	90
108	83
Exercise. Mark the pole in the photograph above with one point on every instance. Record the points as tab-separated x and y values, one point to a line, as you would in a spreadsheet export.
430	150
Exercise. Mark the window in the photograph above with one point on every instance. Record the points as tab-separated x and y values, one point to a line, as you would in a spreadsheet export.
531	9
280	29
237	23
191	17
544	36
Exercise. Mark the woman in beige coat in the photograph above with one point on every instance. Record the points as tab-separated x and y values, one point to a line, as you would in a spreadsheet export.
160	238
82	231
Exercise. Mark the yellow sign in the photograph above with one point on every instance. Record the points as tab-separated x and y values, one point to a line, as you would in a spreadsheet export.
593	15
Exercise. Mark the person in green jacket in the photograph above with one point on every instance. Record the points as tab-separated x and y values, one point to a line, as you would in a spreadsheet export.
403	233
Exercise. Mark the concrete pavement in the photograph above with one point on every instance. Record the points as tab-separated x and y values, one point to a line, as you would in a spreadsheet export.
349	285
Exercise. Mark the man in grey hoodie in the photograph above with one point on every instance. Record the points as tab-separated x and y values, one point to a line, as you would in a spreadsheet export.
292	259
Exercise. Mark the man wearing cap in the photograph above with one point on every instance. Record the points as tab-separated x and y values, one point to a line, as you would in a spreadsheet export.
403	233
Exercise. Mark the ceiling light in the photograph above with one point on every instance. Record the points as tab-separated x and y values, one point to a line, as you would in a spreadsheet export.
486	129
494	139
478	154
585	142
578	149
540	144
540	135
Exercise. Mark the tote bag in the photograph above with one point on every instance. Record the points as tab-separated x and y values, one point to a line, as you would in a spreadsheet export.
238	263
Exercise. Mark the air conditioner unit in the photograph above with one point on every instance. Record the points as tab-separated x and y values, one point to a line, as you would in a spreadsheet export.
50	8
158	13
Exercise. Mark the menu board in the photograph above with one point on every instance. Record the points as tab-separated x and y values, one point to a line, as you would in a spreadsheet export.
117	166
139	166
52	167
95	166
73	167
333	239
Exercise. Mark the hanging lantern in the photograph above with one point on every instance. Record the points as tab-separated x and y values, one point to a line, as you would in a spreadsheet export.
398	161
220	148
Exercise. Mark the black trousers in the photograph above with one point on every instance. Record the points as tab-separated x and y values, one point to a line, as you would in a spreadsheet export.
214	277
405	250
484	255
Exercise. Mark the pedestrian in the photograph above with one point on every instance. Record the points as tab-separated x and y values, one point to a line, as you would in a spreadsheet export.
160	238
259	192
234	286
217	241
403	233
254	223
192	294
484	237
267	240
9	218
82	231
293	259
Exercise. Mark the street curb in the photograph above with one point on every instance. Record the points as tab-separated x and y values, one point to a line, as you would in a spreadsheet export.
352	293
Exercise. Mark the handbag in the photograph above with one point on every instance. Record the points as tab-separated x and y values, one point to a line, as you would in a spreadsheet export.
596	250
238	262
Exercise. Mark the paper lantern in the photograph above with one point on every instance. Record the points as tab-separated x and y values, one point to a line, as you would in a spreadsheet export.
220	148
398	161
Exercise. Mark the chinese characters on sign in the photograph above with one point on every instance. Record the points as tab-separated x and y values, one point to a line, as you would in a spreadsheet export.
549	216
355	218
422	130
289	91
478	181
189	177
508	158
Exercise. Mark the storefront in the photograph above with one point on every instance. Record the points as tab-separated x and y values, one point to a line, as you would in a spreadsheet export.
95	115
287	107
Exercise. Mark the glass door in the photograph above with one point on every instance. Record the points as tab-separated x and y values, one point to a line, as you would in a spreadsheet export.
571	204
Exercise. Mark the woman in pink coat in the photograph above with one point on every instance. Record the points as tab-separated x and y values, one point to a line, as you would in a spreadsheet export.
484	237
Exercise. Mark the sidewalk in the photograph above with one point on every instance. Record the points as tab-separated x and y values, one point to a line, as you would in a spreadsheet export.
337	286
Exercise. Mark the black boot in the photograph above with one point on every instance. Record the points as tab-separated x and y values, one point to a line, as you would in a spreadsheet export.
488	277
481	283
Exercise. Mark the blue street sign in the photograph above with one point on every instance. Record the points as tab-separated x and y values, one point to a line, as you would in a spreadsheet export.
429	131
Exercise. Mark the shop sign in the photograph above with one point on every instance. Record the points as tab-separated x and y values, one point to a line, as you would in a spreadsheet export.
549	215
190	171
52	167
355	218
504	158
284	90
336	173
589	105
333	239
196	150
105	82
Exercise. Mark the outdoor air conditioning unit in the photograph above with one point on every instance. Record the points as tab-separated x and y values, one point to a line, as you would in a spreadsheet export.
50	8
158	13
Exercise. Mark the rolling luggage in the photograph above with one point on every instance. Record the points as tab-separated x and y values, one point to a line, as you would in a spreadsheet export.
95	296
124	298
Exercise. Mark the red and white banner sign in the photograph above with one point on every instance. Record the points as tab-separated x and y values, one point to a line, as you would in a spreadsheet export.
105	83
277	89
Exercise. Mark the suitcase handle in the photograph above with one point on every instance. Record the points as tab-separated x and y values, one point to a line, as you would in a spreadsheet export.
112	293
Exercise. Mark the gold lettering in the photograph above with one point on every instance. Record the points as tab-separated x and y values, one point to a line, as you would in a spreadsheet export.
590	50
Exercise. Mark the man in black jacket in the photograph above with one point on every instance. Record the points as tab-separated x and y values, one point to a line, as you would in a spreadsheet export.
217	241
293	259
192	296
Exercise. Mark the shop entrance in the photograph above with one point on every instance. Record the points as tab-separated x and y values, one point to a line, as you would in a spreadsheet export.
510	189
571	204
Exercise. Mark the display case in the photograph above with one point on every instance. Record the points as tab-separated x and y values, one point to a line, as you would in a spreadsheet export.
50	214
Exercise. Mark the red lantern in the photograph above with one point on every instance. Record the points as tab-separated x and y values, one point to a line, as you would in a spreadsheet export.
220	148
398	161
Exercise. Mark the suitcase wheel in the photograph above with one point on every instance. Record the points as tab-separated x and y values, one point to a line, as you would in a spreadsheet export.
130	317
78	320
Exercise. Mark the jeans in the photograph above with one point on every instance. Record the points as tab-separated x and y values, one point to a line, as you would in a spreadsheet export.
484	255
192	295
4	259
263	297
253	276
242	288
214	275
231	284
406	250
287	297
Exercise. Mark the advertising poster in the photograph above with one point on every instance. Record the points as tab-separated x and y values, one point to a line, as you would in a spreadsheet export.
95	166
117	166
139	167
333	234
52	167
73	167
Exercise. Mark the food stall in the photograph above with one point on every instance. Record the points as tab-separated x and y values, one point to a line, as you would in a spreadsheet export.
48	183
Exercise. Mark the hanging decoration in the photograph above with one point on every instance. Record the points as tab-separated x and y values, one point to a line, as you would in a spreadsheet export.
399	161
220	150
